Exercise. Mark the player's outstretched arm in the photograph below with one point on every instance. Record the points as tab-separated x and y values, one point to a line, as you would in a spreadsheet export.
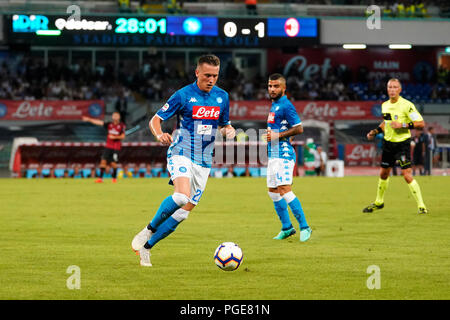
97	122
155	128
372	133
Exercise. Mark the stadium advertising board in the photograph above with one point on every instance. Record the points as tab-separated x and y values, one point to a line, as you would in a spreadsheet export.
377	63
158	31
48	110
359	154
321	110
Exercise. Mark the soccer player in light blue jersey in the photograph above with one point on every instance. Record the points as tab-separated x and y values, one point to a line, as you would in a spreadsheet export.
201	109
283	122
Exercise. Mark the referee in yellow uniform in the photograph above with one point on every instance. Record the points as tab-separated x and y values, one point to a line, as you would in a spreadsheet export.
400	115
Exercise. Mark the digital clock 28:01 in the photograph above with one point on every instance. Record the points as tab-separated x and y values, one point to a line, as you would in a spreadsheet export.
134	25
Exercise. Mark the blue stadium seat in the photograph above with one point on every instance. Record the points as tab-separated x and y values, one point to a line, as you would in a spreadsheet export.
86	173
30	173
263	171
238	170
155	171
59	173
254	172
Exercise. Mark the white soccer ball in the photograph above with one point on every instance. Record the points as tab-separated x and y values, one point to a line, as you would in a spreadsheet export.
228	256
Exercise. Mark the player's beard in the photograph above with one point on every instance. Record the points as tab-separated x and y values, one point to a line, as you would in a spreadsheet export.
276	97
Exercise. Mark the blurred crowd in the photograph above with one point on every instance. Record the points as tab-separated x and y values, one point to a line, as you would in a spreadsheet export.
29	79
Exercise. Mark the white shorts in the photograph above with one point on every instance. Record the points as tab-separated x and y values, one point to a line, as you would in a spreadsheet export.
180	166
279	172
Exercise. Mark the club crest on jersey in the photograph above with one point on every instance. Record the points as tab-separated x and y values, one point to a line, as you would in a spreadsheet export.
219	100
271	117
205	112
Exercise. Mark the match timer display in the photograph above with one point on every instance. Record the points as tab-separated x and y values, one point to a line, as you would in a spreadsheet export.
161	31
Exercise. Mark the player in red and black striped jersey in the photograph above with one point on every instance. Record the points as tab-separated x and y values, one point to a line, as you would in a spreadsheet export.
116	133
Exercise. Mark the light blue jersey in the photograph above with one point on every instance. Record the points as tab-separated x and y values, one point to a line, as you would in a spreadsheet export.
199	114
282	117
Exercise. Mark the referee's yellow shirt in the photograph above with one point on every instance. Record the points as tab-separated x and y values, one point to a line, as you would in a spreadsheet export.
402	111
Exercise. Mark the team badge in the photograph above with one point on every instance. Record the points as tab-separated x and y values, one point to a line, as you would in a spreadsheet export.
219	100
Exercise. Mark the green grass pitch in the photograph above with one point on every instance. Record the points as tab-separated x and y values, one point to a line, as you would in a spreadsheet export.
48	225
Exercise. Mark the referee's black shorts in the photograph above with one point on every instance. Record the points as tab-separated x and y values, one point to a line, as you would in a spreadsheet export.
393	151
110	155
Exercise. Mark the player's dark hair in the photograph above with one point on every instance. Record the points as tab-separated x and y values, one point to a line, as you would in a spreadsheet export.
209	59
277	76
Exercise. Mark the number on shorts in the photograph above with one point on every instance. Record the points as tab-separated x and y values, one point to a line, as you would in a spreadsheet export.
279	178
197	195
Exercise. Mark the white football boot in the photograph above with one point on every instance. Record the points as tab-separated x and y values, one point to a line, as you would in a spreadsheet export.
144	255
140	239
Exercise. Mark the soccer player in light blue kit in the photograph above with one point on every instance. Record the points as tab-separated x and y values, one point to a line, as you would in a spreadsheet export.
283	122
201	108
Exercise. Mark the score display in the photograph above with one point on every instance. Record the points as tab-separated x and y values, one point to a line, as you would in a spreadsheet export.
162	31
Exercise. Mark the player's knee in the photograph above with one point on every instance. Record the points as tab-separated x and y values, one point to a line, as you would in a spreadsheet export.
274	196
289	196
180	215
180	199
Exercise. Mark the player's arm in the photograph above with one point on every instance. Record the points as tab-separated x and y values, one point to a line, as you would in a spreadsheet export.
225	128
117	137
372	133
416	120
227	131
271	135
155	128
410	125
97	122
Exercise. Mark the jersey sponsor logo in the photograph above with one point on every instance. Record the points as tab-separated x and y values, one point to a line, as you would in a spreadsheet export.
204	112
271	117
193	100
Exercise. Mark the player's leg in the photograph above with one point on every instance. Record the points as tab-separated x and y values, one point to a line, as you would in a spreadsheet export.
281	208
103	163
415	189
199	177
387	162
297	210
383	183
113	164
279	203
171	212
195	187
180	176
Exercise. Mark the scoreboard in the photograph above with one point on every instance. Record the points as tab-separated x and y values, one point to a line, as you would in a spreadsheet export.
161	31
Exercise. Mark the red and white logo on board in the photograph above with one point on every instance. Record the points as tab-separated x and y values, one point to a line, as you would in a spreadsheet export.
271	117
204	112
